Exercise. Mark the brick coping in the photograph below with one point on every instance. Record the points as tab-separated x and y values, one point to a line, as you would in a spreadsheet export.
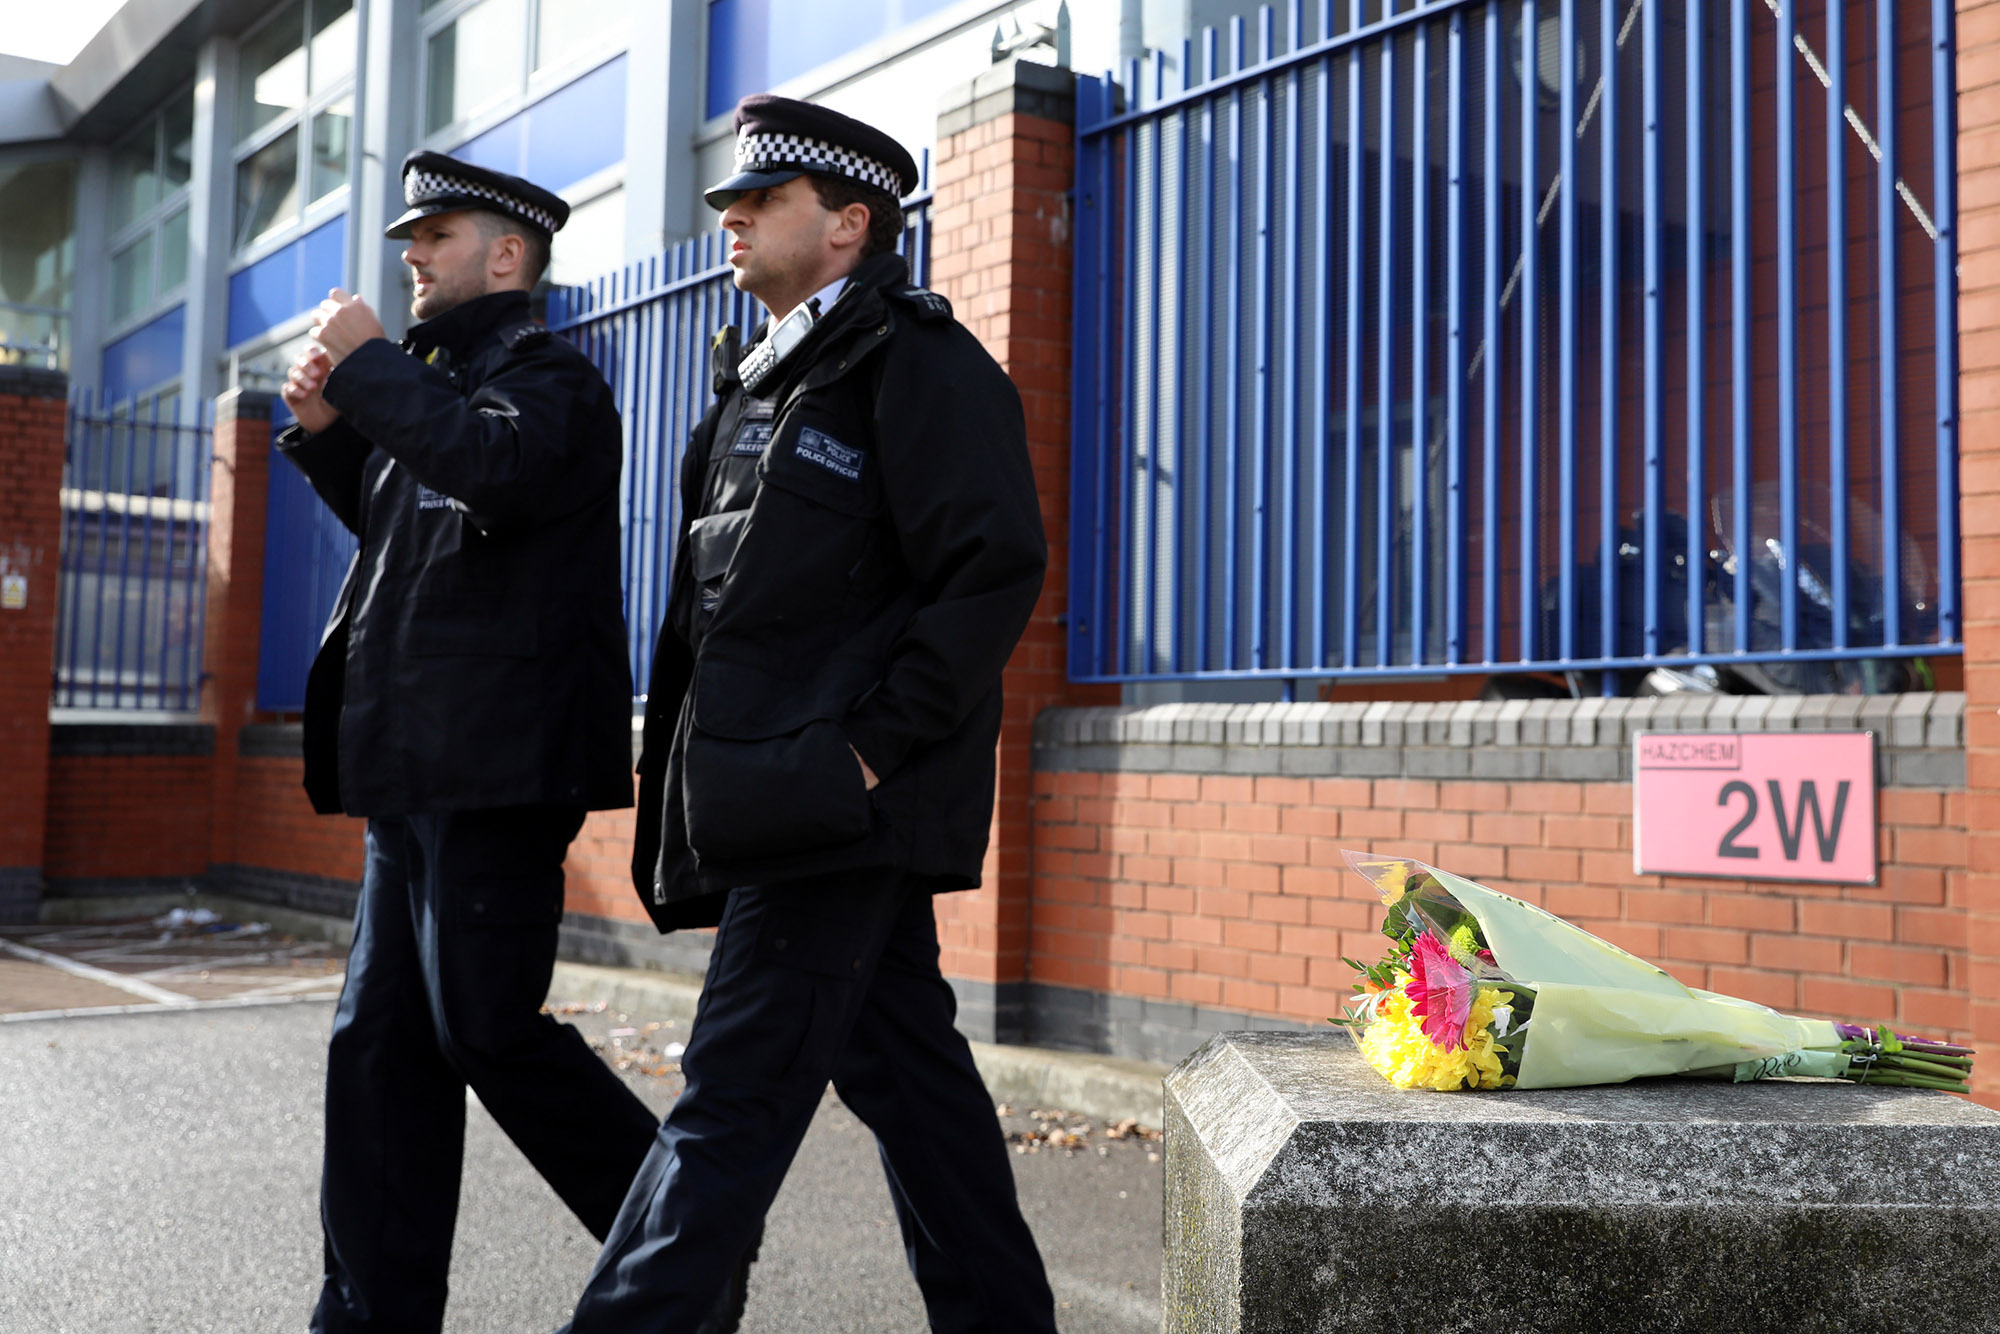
1920	736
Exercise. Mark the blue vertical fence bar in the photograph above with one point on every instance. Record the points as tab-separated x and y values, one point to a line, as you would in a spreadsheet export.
1528	296
1263	417
1608	19
1888	389
1696	171
1786	386
1420	217
1321	382
1944	282
1389	303
1490	350
1350	653
1385	364
1566	361
1836	307
133	566
1654	337
1455	354
1739	325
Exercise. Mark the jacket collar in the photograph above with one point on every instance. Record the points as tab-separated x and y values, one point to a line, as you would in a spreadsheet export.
459	329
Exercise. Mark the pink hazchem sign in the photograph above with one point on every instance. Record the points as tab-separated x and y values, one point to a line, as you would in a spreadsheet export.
1755	805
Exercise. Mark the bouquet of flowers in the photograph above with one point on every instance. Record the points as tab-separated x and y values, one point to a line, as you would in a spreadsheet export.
1482	991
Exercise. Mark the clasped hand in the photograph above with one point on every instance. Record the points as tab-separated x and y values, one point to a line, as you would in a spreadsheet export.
342	323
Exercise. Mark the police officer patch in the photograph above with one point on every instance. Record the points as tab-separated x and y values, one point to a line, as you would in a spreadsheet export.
428	499
822	449
751	437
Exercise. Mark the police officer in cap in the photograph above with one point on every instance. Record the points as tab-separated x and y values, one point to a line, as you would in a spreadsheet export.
862	548
471	698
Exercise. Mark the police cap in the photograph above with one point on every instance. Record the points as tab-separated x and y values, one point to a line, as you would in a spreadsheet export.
778	138
435	183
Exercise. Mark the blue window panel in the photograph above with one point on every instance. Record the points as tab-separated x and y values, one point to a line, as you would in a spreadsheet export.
574	132
145	357
754	45
287	282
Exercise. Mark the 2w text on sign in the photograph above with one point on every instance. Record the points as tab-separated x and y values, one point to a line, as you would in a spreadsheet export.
1755	805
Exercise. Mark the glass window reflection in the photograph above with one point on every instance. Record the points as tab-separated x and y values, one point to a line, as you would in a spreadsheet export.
267	187
331	131
475	62
271	72
179	131
333	43
565	27
135	181
132	278
174	252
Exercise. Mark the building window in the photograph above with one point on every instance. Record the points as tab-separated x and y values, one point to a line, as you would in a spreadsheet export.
37	259
294	115
480	55
592	242
150	170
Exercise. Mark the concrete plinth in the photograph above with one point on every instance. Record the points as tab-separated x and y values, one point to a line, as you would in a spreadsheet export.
1306	1194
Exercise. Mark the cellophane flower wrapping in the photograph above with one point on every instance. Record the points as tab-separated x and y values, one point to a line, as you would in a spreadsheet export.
1548	1005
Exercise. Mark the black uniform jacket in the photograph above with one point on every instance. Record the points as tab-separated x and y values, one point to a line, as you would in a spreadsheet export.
860	549
476	656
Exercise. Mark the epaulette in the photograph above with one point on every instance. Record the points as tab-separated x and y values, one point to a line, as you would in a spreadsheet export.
525	334
724	351
929	305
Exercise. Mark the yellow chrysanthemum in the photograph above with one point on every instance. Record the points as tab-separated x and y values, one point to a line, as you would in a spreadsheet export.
1394	1043
1393	882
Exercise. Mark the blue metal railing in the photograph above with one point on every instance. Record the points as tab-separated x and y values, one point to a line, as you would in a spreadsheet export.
648	327
132	600
1502	335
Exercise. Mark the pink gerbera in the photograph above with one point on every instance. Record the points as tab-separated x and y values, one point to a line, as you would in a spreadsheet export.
1440	991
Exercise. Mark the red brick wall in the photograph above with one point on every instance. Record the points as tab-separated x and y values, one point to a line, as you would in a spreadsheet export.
598	874
274	827
1231	893
1978	40
115	816
1000	252
31	460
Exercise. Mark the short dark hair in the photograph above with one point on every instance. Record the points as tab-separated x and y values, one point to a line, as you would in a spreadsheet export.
885	215
534	240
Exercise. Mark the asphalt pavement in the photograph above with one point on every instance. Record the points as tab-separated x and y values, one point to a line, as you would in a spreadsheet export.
159	1175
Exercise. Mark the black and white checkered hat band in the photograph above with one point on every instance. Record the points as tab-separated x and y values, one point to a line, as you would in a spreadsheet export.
420	185
777	152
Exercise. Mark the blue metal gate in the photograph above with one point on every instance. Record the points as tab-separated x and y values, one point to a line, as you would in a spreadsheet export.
1482	335
133	598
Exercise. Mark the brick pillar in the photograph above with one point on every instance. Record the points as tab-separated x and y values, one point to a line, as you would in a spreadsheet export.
239	483
1979	511
32	418
1000	251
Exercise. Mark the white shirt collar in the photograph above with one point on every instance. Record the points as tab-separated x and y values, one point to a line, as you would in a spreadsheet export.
826	296
830	293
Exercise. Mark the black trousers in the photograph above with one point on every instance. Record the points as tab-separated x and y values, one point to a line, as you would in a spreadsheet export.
828	978
454	943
